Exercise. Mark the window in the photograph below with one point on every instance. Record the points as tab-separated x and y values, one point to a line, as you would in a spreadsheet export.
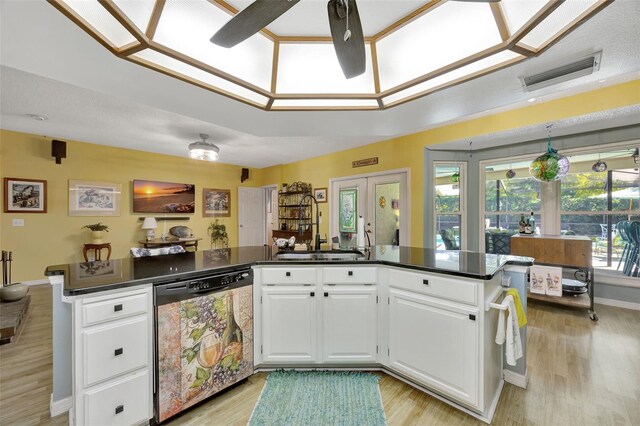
449	206
506	200
595	204
585	202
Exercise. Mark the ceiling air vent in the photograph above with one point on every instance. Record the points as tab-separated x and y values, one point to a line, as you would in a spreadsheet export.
580	68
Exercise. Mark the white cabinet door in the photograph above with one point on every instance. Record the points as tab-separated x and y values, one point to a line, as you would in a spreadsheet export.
434	343
350	324
289	324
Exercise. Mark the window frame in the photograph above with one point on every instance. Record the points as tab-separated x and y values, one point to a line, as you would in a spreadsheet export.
462	212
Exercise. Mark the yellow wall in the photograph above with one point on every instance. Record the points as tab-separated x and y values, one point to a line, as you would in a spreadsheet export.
55	237
408	151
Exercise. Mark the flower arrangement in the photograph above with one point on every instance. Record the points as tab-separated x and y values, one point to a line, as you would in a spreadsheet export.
218	233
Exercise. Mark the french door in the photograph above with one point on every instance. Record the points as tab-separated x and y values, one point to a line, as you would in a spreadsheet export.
383	202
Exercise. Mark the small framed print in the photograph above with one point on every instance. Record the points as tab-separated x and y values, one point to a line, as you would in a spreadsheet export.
94	198
320	195
25	195
216	202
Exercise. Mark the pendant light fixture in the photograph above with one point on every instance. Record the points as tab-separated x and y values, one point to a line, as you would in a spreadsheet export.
550	166
599	166
510	173
203	150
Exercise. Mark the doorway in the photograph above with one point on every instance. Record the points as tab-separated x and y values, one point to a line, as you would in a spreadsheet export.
383	202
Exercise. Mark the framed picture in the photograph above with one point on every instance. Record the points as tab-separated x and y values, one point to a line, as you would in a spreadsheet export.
347	210
25	195
320	194
163	197
94	198
216	202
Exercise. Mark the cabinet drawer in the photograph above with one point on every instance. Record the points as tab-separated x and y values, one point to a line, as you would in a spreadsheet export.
291	276
346	275
125	402
451	288
113	309
115	349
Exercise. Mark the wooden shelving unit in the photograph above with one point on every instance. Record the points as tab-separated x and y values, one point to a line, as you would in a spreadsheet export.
292	217
565	251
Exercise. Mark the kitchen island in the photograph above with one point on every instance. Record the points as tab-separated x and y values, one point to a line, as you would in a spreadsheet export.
420	315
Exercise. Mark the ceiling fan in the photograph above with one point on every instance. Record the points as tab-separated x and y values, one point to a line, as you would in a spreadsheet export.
344	22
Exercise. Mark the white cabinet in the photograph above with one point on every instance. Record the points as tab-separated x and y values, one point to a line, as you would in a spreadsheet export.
289	324
349	324
435	343
112	350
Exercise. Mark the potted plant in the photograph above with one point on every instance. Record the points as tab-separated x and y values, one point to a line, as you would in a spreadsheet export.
97	232
218	233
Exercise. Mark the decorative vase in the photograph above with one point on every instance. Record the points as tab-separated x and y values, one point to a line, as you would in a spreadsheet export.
97	237
13	292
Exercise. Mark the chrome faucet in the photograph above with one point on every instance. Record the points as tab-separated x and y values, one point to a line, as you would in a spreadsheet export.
318	240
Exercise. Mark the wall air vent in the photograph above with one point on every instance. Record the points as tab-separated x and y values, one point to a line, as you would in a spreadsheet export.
586	66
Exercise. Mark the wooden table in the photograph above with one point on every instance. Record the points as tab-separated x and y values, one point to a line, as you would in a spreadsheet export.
184	242
97	251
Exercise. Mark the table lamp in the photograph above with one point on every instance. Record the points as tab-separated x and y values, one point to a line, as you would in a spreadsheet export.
149	225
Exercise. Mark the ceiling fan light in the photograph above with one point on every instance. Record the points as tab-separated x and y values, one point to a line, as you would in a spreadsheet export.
202	150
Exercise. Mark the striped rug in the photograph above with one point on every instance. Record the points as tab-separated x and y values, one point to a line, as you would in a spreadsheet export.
319	398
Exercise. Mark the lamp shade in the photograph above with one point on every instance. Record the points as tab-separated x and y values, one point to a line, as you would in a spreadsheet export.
149	223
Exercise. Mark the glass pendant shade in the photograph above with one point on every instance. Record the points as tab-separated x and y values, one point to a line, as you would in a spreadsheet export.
510	173
549	167
599	166
455	178
203	150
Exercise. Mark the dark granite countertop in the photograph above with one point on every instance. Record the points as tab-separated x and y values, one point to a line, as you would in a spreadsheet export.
89	277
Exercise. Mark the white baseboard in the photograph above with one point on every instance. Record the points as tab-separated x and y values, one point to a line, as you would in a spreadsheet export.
61	406
519	380
35	282
617	303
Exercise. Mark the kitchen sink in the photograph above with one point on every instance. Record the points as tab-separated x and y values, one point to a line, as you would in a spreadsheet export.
321	255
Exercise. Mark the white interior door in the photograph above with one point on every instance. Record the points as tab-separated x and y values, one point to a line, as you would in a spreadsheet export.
388	209
251	216
382	200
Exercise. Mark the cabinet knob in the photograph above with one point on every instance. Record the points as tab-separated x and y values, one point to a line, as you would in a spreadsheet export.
313	293
288	274
117	307
119	409
118	351
326	294
350	273
425	282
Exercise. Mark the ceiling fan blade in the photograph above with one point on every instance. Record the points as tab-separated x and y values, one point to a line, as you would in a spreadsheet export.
350	53
249	21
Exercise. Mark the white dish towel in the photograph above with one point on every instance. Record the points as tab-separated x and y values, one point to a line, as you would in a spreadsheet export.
509	331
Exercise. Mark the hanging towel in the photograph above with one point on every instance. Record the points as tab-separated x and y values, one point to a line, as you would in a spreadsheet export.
522	317
509	332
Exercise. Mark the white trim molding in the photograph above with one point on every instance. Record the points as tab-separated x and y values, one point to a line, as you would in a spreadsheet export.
61	406
519	380
617	303
36	282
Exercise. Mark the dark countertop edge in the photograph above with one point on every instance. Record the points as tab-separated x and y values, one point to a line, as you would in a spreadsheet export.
57	270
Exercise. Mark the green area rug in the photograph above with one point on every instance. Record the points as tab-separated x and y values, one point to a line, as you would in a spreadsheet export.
319	398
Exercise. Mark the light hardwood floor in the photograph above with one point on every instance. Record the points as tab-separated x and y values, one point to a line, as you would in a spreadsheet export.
580	373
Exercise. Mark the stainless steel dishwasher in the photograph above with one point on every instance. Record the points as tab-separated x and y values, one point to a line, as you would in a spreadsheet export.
204	338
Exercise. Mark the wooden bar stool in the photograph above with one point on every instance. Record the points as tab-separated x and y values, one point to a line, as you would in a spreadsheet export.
97	251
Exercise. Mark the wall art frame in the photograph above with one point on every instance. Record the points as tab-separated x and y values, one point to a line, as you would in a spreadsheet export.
216	202
25	195
89	198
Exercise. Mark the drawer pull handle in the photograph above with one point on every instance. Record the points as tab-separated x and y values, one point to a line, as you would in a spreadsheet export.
119	409
118	351
117	308
288	274
425	282
350	273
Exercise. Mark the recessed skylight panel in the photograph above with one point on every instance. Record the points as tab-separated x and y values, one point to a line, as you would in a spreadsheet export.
187	25
564	15
98	17
313	68
448	33
324	103
500	59
519	12
139	12
179	67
